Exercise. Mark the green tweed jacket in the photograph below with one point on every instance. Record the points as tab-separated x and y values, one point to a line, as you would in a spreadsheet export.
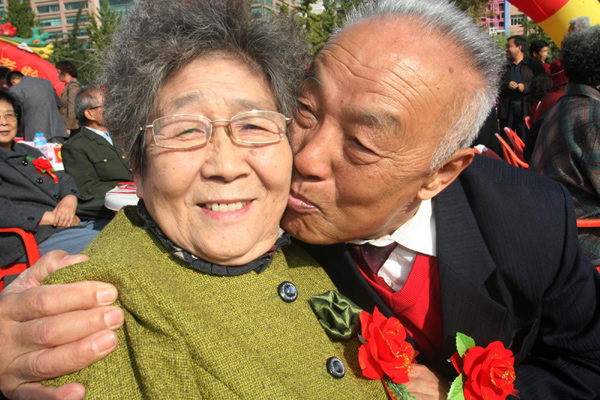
188	335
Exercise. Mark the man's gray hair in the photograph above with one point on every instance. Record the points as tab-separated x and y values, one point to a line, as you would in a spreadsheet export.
161	37
85	98
444	19
579	23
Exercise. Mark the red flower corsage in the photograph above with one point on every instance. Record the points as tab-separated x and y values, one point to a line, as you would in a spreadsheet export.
385	354
44	167
485	373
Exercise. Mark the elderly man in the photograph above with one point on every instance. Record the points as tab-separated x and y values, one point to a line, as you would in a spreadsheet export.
381	157
91	157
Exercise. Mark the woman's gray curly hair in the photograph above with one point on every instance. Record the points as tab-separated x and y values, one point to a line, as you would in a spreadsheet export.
161	37
581	56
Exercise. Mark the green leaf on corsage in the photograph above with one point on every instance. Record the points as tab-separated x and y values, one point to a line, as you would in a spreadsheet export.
463	343
456	390
337	314
397	391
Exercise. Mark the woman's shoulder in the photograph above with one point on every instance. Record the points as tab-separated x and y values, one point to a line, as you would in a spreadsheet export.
119	253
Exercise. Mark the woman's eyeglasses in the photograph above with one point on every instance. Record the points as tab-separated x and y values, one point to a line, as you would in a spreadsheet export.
184	131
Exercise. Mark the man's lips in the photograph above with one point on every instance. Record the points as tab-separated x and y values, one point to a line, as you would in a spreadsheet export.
299	203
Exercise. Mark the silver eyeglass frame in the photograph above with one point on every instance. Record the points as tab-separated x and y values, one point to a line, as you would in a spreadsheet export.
228	129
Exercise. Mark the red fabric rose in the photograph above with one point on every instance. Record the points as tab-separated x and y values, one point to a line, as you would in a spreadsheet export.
386	351
42	164
490	372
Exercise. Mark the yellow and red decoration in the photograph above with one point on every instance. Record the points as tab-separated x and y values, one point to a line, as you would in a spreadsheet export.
28	55
553	16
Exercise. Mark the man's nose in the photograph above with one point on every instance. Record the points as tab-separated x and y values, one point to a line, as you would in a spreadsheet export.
313	153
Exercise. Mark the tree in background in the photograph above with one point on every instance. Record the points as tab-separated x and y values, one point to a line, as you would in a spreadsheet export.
475	8
86	54
19	14
101	27
75	50
319	27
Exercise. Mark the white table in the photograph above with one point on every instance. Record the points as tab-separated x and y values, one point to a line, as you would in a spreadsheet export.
121	196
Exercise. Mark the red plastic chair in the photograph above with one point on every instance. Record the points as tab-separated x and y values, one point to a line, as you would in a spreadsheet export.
516	142
510	155
528	122
31	248
589	223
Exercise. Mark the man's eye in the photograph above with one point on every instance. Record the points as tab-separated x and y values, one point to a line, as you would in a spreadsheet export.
305	114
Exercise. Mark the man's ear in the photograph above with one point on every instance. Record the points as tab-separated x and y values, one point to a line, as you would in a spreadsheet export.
89	115
446	173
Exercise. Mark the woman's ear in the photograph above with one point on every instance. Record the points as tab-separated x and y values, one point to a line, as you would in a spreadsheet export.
446	173
139	186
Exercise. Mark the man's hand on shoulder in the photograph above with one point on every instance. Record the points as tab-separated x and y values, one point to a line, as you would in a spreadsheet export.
54	330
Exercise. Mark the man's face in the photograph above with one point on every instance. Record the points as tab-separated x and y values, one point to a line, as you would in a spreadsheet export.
369	122
96	111
512	51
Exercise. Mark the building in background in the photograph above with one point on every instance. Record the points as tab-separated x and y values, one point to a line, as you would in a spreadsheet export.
269	8
502	18
494	18
57	16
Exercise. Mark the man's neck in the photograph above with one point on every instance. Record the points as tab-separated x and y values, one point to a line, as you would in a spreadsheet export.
98	127
518	59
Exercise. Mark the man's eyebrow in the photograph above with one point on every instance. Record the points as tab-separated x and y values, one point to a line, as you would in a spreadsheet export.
380	120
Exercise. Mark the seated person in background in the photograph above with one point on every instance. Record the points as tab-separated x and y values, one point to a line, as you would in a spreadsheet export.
91	157
568	145
40	107
559	83
33	198
199	263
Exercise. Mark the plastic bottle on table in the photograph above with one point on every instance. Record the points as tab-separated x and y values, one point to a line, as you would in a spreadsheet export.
40	143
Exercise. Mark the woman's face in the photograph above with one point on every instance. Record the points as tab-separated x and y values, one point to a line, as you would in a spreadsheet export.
248	185
8	124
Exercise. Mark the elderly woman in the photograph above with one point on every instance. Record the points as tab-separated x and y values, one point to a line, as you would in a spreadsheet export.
33	197
214	306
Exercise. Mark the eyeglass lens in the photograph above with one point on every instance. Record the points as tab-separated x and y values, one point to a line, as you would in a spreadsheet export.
9	116
180	131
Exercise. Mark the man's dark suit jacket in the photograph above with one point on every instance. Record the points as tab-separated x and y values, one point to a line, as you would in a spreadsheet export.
95	165
511	270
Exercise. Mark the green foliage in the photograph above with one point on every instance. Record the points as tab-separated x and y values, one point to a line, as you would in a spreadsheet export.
534	32
319	27
101	27
74	49
19	14
475	8
87	54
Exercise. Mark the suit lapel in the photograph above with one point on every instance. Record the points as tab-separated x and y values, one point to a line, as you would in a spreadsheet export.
100	141
464	264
